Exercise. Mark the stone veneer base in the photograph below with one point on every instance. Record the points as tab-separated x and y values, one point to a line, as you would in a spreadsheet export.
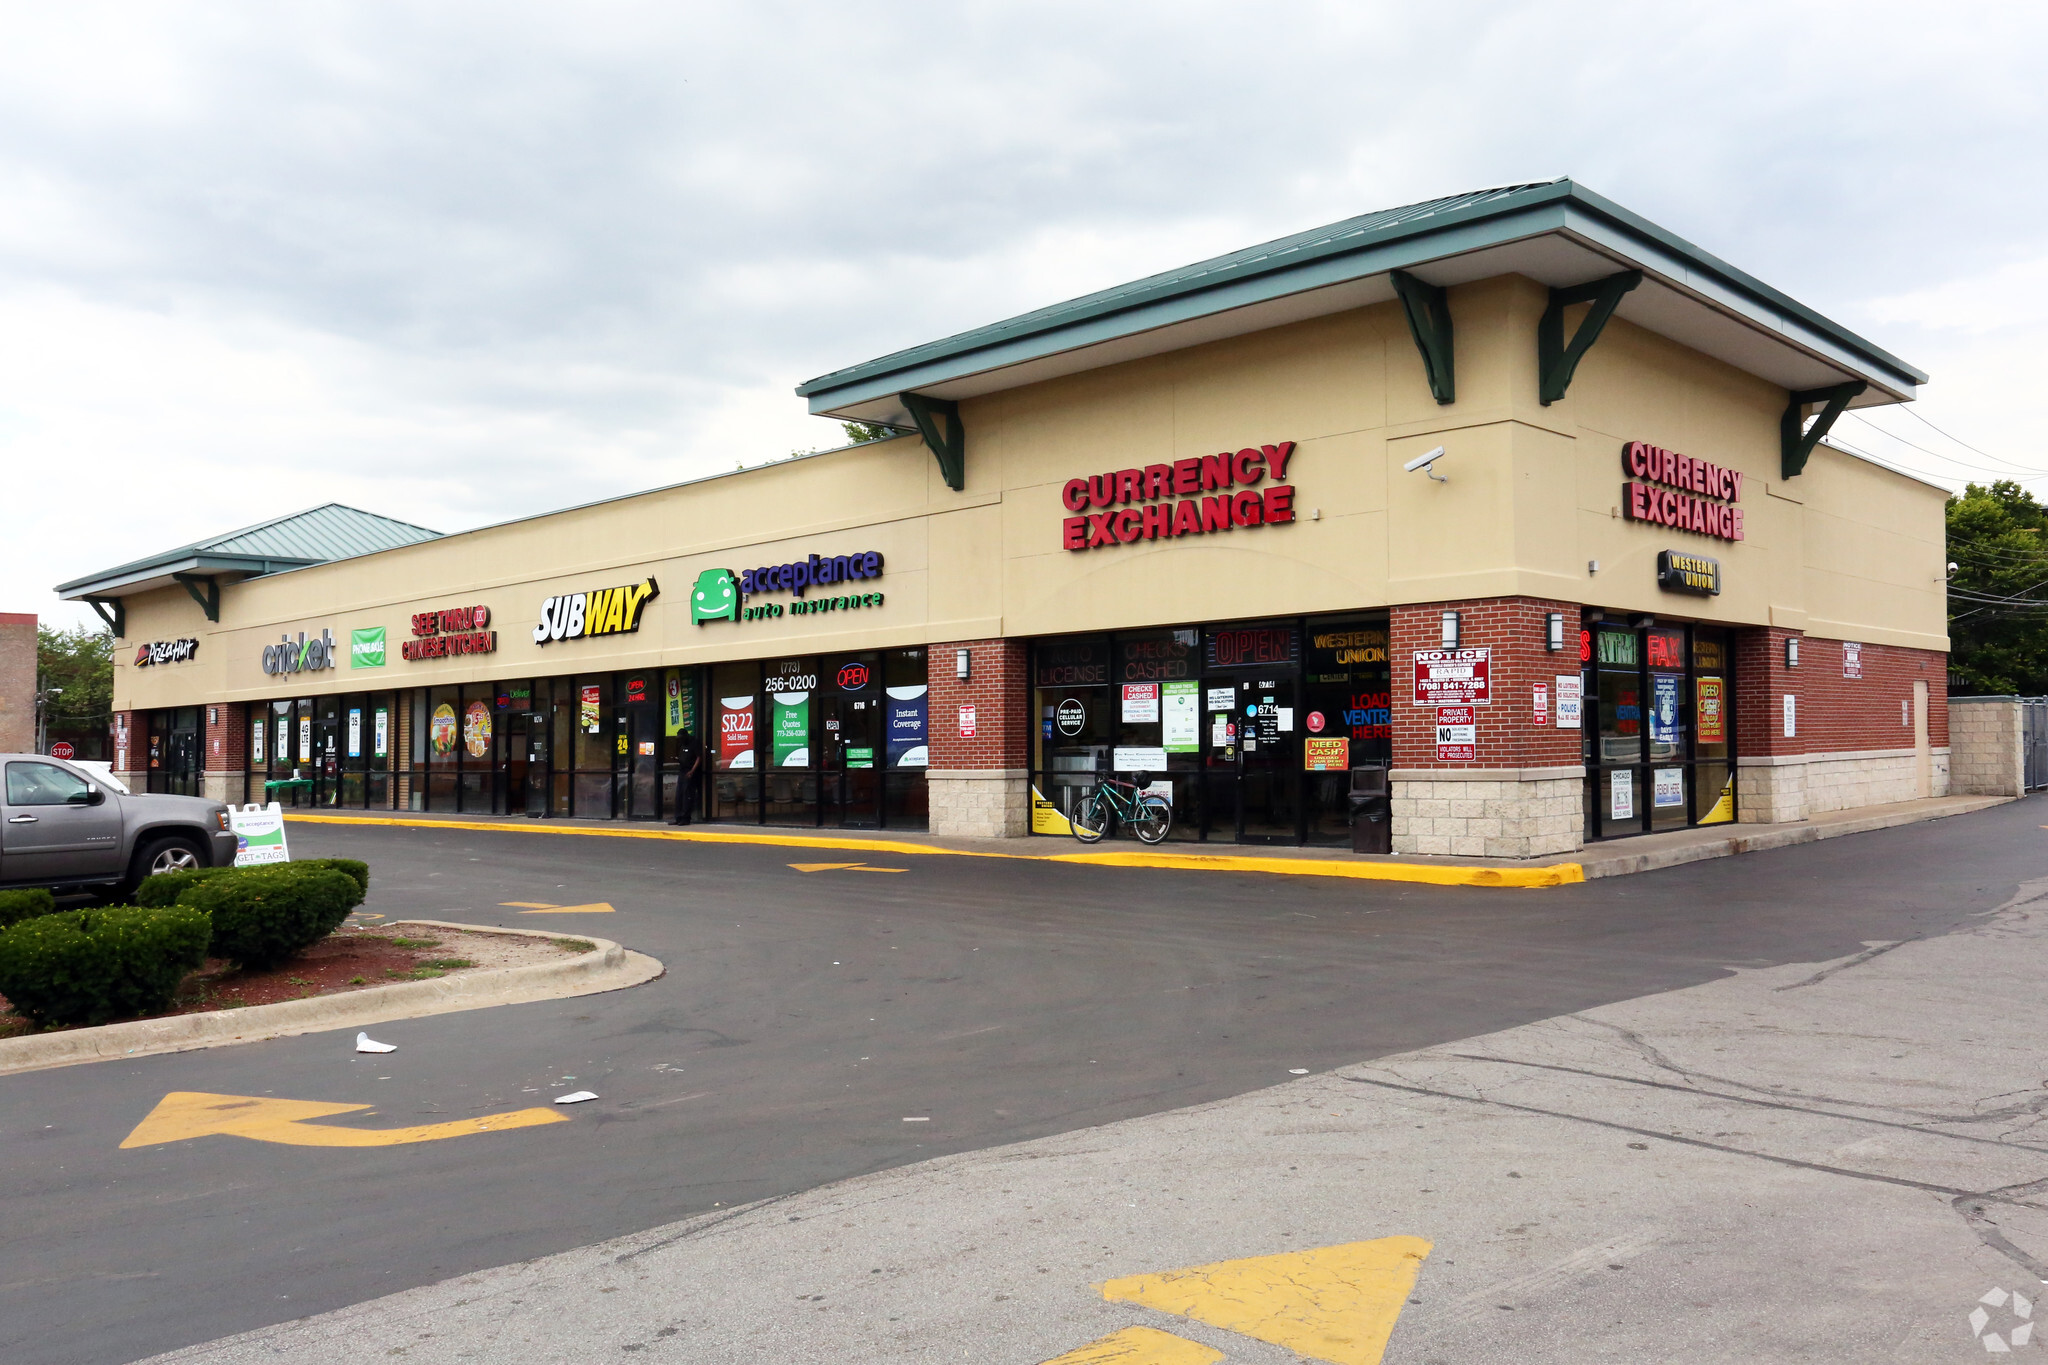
1488	812
979	803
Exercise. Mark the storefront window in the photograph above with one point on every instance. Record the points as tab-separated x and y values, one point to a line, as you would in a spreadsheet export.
1713	727
735	779
792	775
443	746
595	747
1346	720
1071	696
905	739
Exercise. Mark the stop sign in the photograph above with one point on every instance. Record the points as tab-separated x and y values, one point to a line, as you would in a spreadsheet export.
61	749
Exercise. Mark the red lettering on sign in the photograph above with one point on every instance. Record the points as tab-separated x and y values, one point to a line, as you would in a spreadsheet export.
1075	496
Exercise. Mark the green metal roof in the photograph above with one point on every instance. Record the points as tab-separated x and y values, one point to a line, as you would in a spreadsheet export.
1370	244
315	536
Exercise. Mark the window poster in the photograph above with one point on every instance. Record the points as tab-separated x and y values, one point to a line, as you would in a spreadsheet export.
792	732
305	739
904	714
590	708
1222	730
735	732
1138	759
1712	723
1180	717
441	732
1141	703
256	739
1667	787
679	702
284	740
355	732
476	729
1664	708
382	736
1326	754
1621	794
1222	699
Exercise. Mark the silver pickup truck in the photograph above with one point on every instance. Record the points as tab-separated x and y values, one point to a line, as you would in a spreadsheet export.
63	828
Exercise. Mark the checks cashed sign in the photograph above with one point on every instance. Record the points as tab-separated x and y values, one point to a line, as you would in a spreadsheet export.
1453	677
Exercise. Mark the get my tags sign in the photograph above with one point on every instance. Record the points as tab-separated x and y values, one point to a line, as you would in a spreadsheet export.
1457	734
259	834
1453	677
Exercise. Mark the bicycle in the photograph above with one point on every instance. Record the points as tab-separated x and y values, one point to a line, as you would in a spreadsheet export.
1149	815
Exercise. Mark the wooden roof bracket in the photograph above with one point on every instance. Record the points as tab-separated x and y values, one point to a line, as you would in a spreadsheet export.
1555	360
1429	322
1796	444
950	449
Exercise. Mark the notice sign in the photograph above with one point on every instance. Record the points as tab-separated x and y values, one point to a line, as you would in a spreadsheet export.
1621	794
1138	759
1852	659
1180	728
1571	689
1326	754
1539	704
1453	677
1222	699
1457	734
967	722
1141	703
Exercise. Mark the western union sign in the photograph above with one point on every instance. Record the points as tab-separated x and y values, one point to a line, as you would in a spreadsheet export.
1681	572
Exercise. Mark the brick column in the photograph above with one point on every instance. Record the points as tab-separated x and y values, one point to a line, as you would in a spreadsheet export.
226	756
1521	797
131	749
980	784
17	682
1770	769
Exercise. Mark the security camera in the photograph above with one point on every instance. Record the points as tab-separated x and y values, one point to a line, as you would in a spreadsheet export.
1424	461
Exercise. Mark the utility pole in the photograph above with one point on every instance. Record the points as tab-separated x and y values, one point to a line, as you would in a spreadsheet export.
44	696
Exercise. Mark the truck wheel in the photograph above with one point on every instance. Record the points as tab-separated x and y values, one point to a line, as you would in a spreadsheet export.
170	853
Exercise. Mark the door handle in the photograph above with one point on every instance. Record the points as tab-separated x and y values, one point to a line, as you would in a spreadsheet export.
21	820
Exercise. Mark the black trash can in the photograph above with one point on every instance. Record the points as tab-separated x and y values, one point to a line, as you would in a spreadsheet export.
1372	814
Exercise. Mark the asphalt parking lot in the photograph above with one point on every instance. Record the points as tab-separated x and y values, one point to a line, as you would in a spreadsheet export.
806	1015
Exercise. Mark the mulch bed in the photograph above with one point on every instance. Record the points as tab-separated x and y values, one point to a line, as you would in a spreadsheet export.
342	962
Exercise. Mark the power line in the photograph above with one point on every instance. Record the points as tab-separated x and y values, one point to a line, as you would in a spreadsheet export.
1960	464
1915	415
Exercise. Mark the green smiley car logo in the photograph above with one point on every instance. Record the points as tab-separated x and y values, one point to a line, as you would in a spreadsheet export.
714	598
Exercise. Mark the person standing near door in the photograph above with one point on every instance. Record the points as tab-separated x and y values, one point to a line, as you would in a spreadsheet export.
690	754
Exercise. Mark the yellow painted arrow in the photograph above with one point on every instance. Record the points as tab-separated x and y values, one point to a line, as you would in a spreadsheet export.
543	908
186	1114
1335	1304
844	867
1141	1346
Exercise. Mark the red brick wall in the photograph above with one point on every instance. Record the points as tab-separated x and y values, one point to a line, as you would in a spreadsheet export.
227	738
1834	714
997	689
131	755
1514	629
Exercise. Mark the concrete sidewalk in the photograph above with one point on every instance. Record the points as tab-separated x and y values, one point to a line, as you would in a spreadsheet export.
1815	1162
1609	858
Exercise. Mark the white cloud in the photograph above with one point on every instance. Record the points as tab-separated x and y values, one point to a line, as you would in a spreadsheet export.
469	261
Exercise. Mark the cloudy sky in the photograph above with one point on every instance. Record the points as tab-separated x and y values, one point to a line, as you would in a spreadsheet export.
456	263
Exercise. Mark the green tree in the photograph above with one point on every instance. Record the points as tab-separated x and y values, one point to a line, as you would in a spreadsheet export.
81	661
860	433
1998	591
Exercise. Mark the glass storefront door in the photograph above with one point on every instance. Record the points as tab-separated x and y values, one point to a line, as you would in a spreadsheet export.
851	750
1659	727
1268	761
640	726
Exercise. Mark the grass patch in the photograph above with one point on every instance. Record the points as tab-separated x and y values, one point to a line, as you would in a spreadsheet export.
448	964
575	945
414	942
358	980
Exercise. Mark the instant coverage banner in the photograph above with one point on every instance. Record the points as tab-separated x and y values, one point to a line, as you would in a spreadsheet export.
908	746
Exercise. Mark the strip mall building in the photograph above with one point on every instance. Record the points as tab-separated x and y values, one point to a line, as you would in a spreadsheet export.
1513	493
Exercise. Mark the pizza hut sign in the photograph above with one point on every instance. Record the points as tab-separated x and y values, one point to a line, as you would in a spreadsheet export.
165	652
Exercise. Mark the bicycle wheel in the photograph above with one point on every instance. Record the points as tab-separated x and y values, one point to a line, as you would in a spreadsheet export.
1153	819
1090	820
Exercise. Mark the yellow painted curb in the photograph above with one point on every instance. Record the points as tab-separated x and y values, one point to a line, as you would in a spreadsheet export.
1559	874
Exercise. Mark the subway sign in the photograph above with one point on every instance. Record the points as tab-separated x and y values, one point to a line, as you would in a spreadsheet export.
606	611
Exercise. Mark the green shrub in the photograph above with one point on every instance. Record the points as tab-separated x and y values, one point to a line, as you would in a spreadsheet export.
165	887
358	871
262	916
16	906
89	966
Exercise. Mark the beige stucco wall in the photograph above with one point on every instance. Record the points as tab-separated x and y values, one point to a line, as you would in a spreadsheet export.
1847	550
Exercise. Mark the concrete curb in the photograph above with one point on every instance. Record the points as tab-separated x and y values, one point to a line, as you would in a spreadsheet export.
607	967
1623	864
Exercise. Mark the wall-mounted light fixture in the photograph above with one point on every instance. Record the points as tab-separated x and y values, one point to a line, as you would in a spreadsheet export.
1592	566
1644	622
1450	635
1791	651
961	663
1553	631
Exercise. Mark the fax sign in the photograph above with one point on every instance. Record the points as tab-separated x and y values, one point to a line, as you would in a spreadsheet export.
1453	677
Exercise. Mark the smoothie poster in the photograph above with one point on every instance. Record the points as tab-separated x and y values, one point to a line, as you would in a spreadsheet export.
905	719
590	714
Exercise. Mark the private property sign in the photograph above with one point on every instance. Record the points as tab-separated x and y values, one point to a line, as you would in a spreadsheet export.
1453	677
1457	734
